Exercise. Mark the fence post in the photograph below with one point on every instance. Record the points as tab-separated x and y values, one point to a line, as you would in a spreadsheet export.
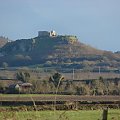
105	113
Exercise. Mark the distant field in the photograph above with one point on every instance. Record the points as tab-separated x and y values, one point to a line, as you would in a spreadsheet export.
59	115
78	75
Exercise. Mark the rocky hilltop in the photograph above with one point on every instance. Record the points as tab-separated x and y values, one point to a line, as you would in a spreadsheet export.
51	50
3	41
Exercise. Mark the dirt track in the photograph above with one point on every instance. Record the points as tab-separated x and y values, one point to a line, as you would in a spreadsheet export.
61	98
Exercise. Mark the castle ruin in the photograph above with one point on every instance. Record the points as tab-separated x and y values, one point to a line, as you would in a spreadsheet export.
47	33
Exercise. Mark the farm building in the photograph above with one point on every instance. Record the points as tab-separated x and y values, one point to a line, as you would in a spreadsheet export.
20	88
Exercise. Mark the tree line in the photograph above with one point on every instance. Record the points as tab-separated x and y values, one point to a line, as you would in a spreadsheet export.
57	82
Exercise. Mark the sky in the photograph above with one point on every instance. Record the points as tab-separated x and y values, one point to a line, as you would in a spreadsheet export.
94	22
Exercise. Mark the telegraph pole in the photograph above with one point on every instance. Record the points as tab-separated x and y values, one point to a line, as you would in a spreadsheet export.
99	70
73	75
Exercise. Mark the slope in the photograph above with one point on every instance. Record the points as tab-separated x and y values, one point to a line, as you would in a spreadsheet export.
60	51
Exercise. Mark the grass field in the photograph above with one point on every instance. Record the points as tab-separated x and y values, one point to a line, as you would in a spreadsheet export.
79	74
59	115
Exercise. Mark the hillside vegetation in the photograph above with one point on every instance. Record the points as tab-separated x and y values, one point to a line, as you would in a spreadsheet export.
60	51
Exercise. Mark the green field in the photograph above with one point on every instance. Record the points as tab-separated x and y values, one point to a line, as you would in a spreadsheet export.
59	115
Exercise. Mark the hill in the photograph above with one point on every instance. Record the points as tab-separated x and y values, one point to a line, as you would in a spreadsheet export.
58	51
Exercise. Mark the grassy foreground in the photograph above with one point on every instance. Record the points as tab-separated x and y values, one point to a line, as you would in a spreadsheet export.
59	115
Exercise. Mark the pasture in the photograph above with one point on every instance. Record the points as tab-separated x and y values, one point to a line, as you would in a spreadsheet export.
42	74
59	115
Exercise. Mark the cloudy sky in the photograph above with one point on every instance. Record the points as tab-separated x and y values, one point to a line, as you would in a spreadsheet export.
95	22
